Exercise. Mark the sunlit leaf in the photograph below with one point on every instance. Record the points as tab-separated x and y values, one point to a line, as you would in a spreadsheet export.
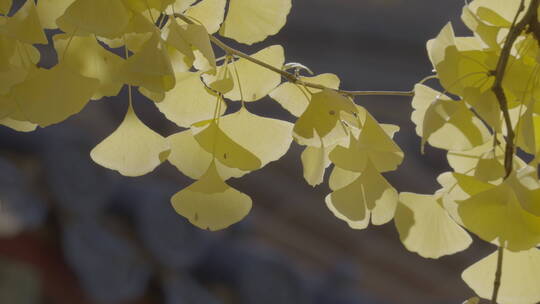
496	216
5	5
250	21
519	280
208	12
50	96
90	59
101	17
368	196
17	125
211	204
189	101
133	149
24	25
426	228
295	99
255	81
373	145
50	10
445	123
150	67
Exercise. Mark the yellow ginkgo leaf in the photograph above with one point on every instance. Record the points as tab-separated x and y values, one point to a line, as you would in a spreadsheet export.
272	140
194	36
90	59
496	216
250	21
133	149
180	6
17	125
426	228
373	145
50	10
150	67
208	12
138	31
519	277
486	105
526	186
143	5
5	6
458	69
368	196
445	123
189	101
484	162
267	138
176	40
340	178
457	187
50	96
25	25
192	160
293	98
255	81
322	115
314	162
488	33
210	203
101	17
215	141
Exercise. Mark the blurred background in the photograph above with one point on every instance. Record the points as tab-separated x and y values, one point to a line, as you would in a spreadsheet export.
72	232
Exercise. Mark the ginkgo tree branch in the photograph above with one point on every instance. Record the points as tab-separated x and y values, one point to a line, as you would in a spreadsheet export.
290	76
516	29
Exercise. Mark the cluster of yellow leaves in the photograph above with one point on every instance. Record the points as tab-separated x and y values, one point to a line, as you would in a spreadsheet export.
478	196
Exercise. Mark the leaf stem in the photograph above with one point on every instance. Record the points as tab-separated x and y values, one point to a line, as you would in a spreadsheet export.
289	76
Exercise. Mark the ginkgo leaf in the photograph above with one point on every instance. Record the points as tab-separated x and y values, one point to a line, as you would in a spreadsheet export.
496	216
5	6
426	228
176	40
526	186
267	139
457	187
369	196
50	96
473	300
17	125
138	31
520	275
192	160
180	6
101	17
143	5
189	101
314	162
133	149
215	141
150	67
50	10
194	36
322	115
458	69
340	178
255	81
250	21
208	12
210	203
90	59
445	123
373	145
293	98
25	25
484	162
488	33
486	105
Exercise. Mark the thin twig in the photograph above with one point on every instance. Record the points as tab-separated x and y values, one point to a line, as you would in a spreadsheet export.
289	76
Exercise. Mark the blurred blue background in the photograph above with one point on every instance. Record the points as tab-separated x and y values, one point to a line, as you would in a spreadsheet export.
73	232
